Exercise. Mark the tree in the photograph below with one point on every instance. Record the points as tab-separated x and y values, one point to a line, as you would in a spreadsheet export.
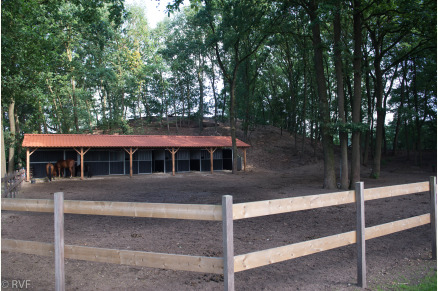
387	30
343	134
357	94
326	126
230	32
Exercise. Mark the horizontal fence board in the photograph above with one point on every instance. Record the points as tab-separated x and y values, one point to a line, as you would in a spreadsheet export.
16	184
283	253
132	209
277	206
34	205
396	226
201	264
12	176
28	247
210	212
146	259
393	191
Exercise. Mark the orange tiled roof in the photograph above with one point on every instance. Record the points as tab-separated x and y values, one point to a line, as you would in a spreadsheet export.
118	141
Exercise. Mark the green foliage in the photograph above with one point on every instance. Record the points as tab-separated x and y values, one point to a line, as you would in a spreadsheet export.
374	175
427	283
71	66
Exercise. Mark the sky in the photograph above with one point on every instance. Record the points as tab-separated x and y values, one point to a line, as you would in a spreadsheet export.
155	10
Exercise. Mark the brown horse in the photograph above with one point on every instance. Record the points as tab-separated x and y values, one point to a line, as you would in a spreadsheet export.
51	171
65	164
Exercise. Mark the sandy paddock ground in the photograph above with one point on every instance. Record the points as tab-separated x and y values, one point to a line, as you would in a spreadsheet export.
401	257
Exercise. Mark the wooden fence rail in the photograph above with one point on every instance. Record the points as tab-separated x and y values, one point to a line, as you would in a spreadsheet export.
285	205
227	213
293	251
202	264
11	183
130	209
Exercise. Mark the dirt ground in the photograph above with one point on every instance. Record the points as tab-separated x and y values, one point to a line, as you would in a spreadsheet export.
402	257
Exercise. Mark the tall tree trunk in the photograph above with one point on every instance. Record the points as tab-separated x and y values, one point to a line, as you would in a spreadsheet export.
167	116
201	100
232	81
407	140
103	101
146	105
3	152
175	113
304	103
224	103
213	85
138	101
17	130
90	118
370	110
43	118
54	112
188	104
327	138
11	115
289	60
246	83
72	80
183	107
233	124
75	103
399	112
357	94
418	122
343	135
380	118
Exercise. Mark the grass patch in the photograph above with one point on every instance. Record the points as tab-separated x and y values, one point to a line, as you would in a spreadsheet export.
426	284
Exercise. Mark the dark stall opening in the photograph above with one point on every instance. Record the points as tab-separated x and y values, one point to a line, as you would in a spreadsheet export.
227	155
195	160
183	161
158	161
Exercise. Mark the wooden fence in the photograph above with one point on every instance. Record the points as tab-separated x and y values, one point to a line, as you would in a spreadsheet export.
11	183
227	213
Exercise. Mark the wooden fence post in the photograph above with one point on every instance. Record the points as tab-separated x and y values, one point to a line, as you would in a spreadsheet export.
6	185
244	159
27	165
432	183
228	243
360	236
59	241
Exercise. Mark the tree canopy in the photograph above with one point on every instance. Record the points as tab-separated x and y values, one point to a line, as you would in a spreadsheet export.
360	75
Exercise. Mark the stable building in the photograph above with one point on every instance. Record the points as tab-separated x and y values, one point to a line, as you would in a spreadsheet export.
131	154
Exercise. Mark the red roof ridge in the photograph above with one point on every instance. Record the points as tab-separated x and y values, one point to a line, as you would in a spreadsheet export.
153	135
106	140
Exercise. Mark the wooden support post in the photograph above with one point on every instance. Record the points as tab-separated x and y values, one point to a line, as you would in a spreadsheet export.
228	243
59	241
211	160
82	163
5	186
28	154
433	218
131	153
360	236
173	152
173	162
244	159
82	153
130	162
211	151
27	165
